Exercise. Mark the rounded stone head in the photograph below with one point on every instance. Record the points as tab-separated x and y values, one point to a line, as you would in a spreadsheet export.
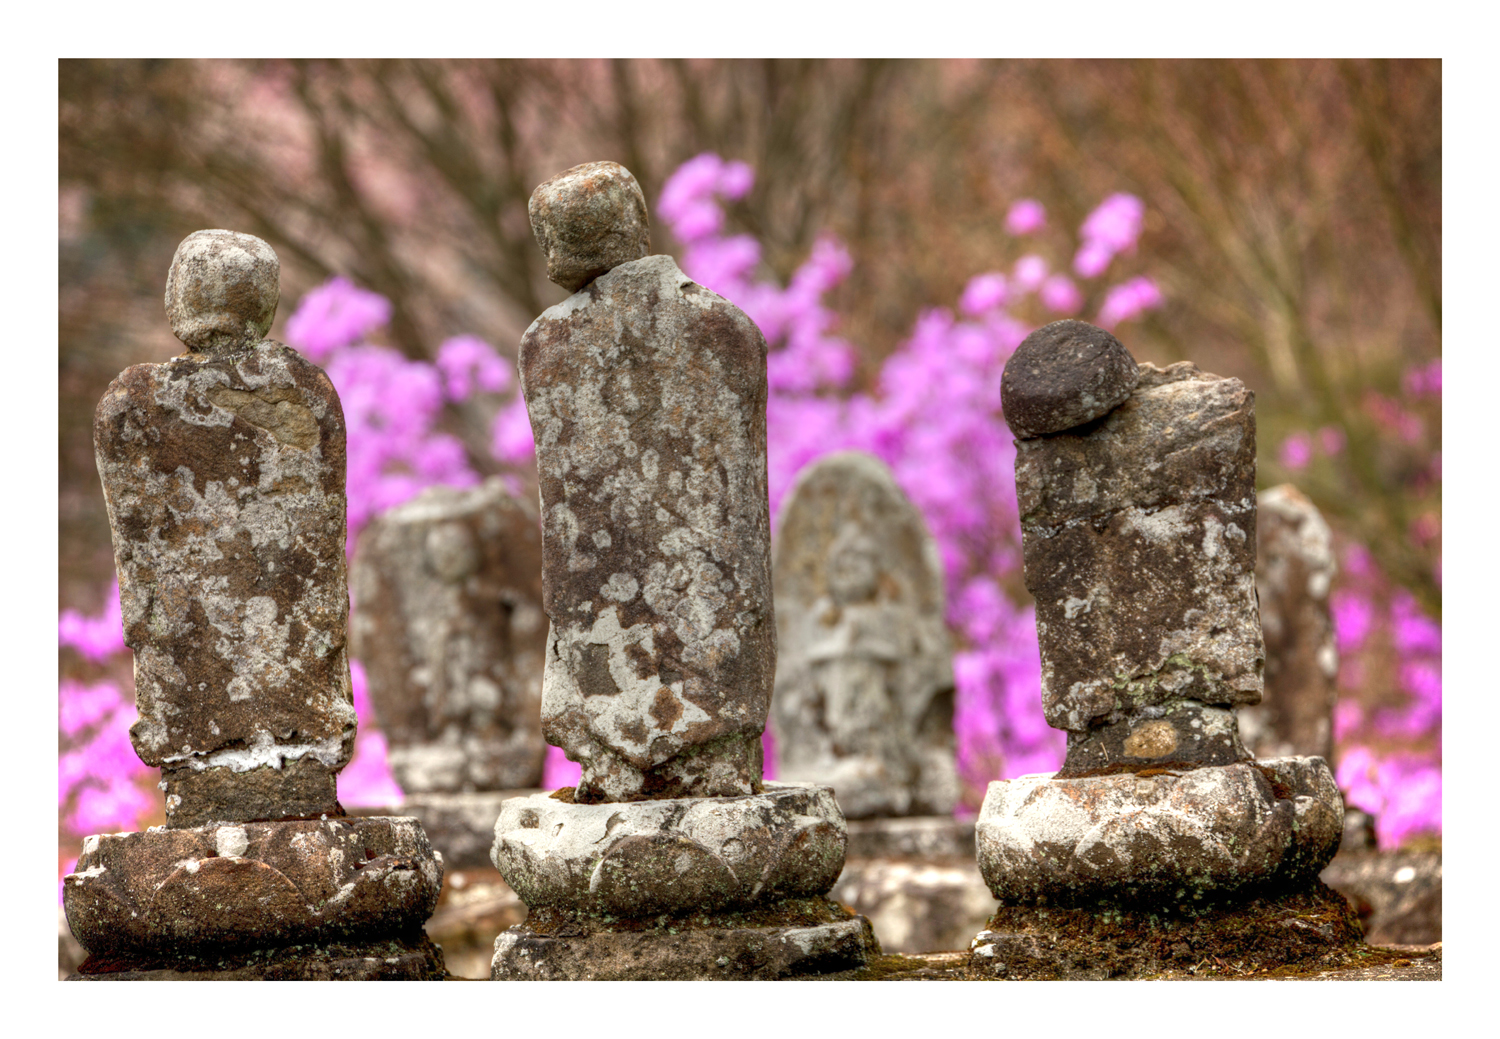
589	220
1063	375
222	290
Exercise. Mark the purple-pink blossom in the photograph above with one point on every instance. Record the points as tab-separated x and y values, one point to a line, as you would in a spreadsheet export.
1116	221
1296	451
1353	617
983	293
1424	379
97	638
1025	217
334	315
1127	300
1060	295
1331	440
1029	273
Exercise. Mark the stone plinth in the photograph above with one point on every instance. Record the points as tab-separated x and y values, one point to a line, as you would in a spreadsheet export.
450	630
190	899
864	686
832	940
681	888
636	859
1165	837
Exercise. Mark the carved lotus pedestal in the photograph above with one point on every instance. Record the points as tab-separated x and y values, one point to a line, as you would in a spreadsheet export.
683	888
324	899
1127	874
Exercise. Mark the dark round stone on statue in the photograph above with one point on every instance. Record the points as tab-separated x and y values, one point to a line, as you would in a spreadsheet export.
1063	375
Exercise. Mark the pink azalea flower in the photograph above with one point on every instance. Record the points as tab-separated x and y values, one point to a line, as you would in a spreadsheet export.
1030	272
1060	295
1127	300
984	292
1296	451
334	315
1025	217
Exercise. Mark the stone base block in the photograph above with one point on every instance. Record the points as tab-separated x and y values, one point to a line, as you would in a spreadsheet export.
639	859
1313	926
166	896
391	960
690	951
1157	836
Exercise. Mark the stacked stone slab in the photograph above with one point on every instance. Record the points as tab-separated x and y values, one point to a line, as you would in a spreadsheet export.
1294	572
448	624
1138	514
223	473
671	858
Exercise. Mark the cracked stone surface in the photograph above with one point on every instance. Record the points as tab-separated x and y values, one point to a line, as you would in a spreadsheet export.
644	858
647	399
223	474
1294	571
1139	545
450	630
167	896
864	688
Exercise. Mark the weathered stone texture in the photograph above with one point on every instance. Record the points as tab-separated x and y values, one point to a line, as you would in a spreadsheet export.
671	856
1294	571
224	479
175	895
222	290
864	688
449	626
1139	542
1164	838
588	220
647	398
693	954
1064	375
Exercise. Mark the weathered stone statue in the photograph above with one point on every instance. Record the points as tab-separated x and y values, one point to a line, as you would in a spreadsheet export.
223	472
1293	575
647	398
864	688
450	630
1136	488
